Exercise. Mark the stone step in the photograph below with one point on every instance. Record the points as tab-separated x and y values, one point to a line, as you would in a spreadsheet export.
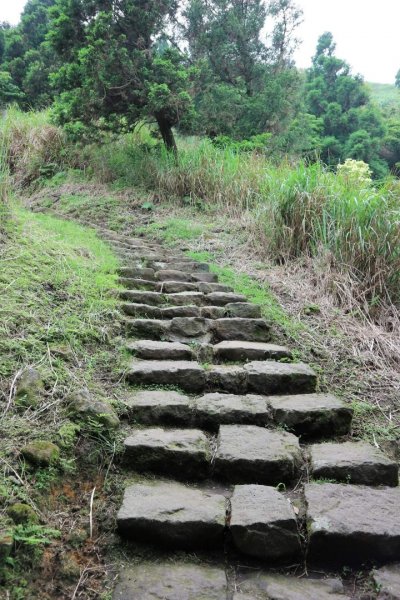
180	264
160	407
174	580
250	454
179	453
171	581
173	287
215	409
218	299
183	329
173	515
258	585
153	350
243	351
138	284
263	523
186	375
312	415
242	310
137	273
175	275
352	524
191	377
166	275
270	377
353	462
147	311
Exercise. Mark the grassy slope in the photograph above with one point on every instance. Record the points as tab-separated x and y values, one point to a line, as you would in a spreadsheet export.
57	314
319	335
384	93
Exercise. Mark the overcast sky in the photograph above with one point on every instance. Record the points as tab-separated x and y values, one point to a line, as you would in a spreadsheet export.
366	33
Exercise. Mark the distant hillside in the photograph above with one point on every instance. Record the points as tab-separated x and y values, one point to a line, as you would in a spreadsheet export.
384	94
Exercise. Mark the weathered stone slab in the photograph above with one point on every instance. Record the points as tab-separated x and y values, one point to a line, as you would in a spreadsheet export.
227	378
154	350
212	312
171	581
171	312
350	524
387	580
139	284
147	329
262	586
353	462
313	415
136	273
188	327
184	298
248	351
160	407
172	275
142	297
223	298
269	377
263	523
213	410
209	288
181	453
192	267
173	515
176	287
205	277
188	375
243	310
142	311
251	330
249	454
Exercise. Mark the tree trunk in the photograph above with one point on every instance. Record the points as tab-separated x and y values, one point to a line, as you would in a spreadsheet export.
167	135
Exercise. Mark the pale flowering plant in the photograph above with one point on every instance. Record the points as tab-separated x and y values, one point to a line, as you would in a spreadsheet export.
355	171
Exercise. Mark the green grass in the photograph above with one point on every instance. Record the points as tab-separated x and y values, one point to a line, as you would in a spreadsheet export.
384	93
290	210
58	309
176	229
55	281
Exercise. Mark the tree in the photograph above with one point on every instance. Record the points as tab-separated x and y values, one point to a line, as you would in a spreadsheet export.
251	77
8	91
25	56
352	127
117	68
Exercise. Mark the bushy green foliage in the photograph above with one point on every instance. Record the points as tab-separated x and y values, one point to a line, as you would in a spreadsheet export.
245	86
114	70
351	127
26	57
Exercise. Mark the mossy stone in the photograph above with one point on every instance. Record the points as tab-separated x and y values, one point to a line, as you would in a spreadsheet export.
22	513
41	453
82	405
29	388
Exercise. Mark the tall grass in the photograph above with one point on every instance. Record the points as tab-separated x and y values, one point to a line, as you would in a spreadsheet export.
33	147
290	209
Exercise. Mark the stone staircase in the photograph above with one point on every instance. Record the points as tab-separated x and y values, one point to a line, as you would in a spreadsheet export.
239	454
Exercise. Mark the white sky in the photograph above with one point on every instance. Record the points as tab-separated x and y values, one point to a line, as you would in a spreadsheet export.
366	33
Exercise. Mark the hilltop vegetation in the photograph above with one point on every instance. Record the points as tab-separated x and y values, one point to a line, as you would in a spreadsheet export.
203	68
